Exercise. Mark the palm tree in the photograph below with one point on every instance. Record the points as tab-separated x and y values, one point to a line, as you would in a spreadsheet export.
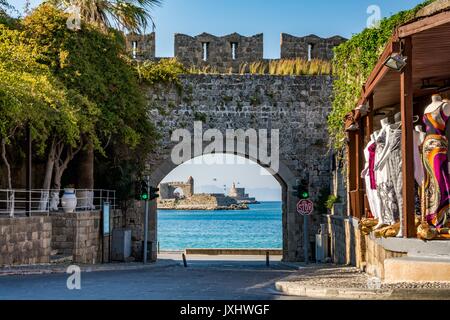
132	15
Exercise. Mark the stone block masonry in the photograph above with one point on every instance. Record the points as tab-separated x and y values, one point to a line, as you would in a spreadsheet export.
221	53
78	235
25	240
301	47
233	52
296	106
141	47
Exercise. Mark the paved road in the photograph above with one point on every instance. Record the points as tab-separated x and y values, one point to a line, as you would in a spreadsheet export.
205	278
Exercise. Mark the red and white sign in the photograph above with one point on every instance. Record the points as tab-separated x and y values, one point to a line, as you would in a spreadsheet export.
305	207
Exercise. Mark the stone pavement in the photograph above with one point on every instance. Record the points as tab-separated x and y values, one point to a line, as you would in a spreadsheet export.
337	282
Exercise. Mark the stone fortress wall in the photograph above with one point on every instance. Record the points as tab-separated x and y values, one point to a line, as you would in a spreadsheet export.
230	52
167	190
300	47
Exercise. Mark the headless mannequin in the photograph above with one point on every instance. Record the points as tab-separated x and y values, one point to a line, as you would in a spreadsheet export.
421	134
437	102
384	126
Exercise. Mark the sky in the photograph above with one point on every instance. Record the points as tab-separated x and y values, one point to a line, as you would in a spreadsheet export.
324	18
271	17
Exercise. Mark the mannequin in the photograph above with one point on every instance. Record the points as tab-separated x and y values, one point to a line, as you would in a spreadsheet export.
419	137
368	175
435	162
382	173
438	102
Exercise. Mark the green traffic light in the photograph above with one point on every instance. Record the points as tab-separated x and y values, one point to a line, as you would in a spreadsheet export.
144	197
305	195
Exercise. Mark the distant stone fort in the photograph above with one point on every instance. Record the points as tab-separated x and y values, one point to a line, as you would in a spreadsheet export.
181	196
230	52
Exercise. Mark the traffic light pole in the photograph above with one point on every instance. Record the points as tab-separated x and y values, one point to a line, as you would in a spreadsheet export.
146	226
306	237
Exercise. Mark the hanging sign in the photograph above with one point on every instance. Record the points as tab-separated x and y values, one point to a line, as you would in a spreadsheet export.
305	207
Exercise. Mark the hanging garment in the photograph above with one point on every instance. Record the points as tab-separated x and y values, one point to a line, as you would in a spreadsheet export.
435	162
395	164
385	186
418	164
369	178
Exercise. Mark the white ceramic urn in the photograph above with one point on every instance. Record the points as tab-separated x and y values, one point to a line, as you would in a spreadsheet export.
69	200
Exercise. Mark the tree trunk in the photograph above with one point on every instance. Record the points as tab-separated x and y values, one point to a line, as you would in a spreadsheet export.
61	165
6	162
9	193
45	193
49	167
86	166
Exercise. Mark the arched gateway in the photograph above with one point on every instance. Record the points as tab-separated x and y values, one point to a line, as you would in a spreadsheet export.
293	107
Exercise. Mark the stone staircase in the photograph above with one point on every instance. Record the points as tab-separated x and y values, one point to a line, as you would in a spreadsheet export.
425	262
417	269
58	258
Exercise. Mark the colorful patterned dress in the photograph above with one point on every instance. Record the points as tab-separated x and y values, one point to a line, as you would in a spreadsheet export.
437	178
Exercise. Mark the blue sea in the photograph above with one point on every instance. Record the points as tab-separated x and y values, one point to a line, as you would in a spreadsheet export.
259	227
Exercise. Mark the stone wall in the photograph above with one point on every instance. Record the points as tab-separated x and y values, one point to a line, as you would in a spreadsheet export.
25	240
375	256
296	106
79	235
145	45
347	242
133	218
189	50
297	47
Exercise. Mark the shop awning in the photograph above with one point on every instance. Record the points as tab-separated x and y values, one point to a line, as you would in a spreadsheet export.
431	58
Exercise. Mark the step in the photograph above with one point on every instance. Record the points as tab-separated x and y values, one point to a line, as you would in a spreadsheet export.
416	269
60	258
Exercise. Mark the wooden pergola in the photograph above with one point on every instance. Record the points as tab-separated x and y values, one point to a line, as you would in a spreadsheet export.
425	42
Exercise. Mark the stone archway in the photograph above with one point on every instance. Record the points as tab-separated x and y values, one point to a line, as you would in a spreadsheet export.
296	106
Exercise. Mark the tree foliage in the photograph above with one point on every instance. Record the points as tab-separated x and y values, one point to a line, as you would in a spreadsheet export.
70	85
354	61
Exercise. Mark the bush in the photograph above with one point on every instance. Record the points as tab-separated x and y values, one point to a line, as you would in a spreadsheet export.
163	71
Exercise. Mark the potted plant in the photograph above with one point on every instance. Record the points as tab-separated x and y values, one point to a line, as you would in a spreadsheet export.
69	199
332	200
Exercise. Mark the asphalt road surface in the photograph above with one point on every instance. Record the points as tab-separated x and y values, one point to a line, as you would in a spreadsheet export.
210	278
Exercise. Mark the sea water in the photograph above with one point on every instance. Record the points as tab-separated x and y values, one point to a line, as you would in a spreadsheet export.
259	227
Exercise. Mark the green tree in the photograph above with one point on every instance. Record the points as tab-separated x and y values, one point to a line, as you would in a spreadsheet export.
31	95
94	63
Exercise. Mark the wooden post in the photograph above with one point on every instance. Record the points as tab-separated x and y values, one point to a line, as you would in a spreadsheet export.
406	105
369	119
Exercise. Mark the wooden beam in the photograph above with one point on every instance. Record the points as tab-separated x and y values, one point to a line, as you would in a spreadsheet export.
380	70
369	119
424	24
406	105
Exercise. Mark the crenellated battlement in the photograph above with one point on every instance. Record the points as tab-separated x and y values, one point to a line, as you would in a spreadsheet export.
228	53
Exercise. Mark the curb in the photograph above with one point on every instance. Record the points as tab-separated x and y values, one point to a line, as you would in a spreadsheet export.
296	289
48	269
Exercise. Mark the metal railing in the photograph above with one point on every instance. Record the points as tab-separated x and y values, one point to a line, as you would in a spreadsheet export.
15	202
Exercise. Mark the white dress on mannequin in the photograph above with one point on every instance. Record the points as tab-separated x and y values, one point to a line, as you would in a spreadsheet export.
372	195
